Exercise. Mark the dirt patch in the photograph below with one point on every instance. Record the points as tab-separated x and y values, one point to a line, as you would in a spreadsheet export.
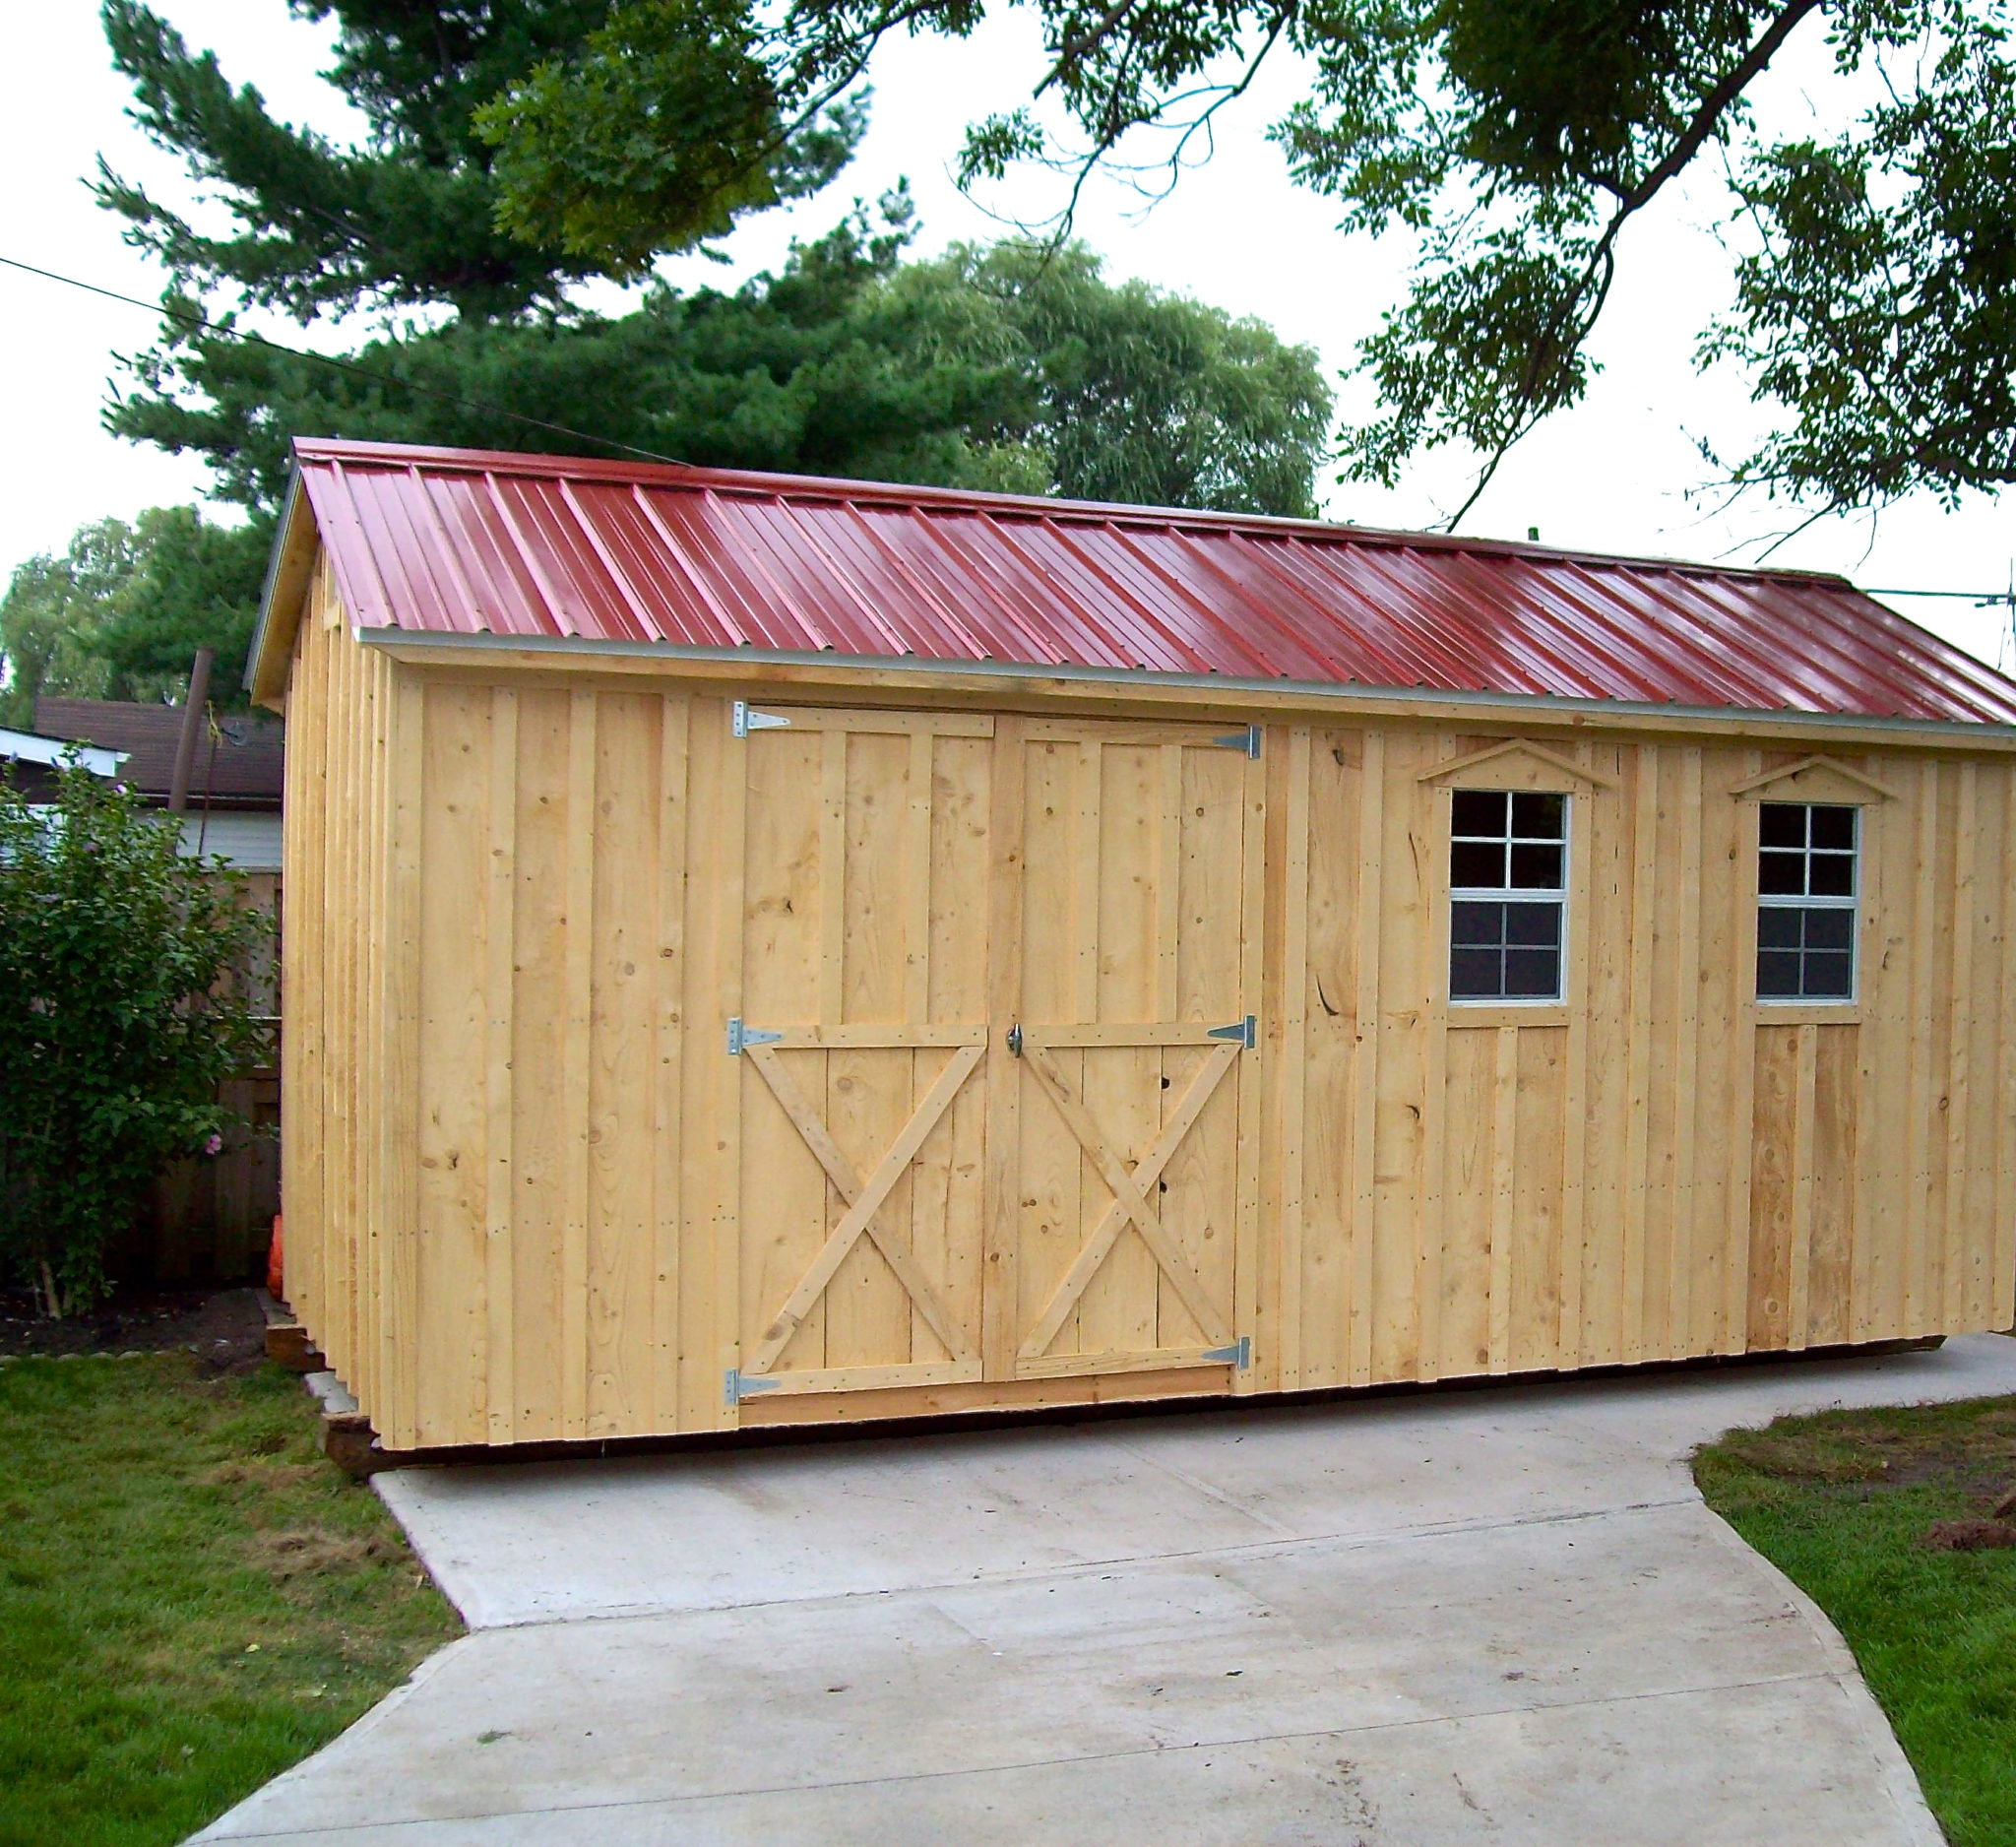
1969	1535
1967	1449
1812	1456
222	1328
310	1552
1958	1461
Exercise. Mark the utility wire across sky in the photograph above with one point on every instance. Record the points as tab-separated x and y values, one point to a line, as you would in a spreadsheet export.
189	318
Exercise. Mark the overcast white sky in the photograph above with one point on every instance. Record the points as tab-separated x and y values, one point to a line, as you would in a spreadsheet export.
1614	475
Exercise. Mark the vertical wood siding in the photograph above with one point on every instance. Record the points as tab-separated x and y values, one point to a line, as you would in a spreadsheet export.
346	1057
529	1196
1628	1177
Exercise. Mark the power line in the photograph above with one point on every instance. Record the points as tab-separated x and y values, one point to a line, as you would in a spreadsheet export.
192	319
2005	637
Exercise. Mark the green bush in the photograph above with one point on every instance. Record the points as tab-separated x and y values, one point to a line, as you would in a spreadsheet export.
124	982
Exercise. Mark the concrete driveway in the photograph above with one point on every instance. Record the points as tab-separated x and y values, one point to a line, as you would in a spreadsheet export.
1496	1616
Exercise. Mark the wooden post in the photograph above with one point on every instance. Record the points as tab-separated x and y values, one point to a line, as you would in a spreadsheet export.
192	725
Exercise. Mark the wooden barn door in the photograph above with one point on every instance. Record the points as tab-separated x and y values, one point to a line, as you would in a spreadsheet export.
1136	1113
862	1039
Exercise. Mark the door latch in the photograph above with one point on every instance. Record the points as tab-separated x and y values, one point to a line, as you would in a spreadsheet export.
1015	1040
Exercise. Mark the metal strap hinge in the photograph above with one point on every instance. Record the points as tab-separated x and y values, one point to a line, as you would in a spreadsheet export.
1246	741
741	1038
1240	1354
736	1385
1240	1032
747	719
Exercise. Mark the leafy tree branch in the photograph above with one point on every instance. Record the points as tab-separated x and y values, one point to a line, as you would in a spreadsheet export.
1515	140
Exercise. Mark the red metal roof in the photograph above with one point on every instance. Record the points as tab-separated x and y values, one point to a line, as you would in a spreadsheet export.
468	543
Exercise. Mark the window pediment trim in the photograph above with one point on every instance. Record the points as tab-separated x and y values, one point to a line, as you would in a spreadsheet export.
1556	774
1867	786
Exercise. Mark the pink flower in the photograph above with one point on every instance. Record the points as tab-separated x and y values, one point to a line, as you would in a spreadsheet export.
215	1145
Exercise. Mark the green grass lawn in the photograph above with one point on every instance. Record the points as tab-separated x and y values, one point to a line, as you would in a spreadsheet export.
191	1598
1841	1503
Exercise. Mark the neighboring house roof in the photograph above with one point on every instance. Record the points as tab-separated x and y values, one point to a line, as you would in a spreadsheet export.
464	544
29	748
242	770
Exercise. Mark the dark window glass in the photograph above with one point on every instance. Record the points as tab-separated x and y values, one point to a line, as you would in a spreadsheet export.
1533	925
1533	974
1782	873
1778	974
1783	824
1479	811
1805	911
1476	973
1502	842
1535	869
1539	817
1476	862
1472	925
1778	926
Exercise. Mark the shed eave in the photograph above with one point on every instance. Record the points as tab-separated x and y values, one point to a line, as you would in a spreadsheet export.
1348	696
280	601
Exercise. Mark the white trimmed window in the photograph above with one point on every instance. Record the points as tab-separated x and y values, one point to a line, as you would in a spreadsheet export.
1807	880
1508	896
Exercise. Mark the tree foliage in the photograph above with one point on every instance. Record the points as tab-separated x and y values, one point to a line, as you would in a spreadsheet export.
121	614
994	369
1128	393
409	218
124	967
675	125
1514	140
1879	299
518	148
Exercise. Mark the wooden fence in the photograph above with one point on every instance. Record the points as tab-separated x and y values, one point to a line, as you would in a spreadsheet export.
212	1220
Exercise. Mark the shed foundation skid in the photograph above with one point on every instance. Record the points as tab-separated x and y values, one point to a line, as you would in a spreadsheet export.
679	1046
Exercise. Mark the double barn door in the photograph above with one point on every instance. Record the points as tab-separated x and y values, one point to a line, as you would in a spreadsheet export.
998	1097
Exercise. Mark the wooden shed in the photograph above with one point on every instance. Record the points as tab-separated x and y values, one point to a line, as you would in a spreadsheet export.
767	950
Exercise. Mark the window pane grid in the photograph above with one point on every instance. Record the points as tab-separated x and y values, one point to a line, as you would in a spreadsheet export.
1507	889
1807	886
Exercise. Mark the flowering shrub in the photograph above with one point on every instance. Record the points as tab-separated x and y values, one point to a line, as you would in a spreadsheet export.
124	977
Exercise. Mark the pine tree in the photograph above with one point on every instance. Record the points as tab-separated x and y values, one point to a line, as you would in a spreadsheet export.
1000	369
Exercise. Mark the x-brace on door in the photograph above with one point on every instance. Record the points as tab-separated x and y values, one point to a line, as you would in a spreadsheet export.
862	1043
1136	1118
